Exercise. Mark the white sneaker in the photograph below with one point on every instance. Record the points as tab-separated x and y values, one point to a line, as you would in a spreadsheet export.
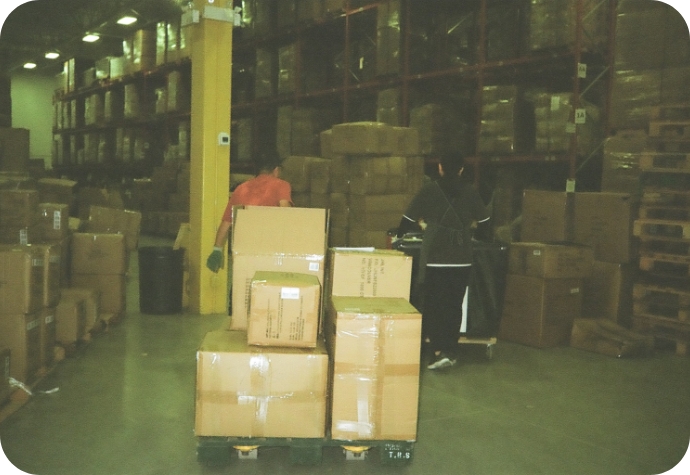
442	361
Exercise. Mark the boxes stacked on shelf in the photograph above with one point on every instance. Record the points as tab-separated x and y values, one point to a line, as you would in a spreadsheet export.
297	131
265	66
14	149
388	38
442	128
552	24
113	105
556	123
502	29
99	262
286	69
140	51
506	121
178	92
652	62
621	161
376	171
21	303
661	295
543	294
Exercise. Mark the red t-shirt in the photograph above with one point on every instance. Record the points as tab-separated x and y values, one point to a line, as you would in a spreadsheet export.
263	190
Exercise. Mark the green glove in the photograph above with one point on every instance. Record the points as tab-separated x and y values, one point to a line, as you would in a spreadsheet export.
215	259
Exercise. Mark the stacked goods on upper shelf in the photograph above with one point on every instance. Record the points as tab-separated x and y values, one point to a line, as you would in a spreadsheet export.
661	296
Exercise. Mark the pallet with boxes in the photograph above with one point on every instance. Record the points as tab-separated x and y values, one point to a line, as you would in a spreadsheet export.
661	298
322	349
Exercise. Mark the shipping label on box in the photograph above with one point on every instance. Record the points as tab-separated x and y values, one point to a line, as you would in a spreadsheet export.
244	391
284	309
96	253
355	272
550	260
375	344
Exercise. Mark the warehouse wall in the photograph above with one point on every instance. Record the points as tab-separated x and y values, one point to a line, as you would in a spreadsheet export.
32	99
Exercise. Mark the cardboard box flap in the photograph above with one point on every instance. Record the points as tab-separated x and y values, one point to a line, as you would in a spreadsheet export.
379	307
276	230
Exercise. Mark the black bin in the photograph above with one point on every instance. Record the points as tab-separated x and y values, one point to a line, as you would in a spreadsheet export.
160	280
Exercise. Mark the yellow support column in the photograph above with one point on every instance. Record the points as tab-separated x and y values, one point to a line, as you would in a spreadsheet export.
210	158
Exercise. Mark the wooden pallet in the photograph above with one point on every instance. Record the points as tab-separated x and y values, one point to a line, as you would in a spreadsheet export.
664	329
670	130
666	212
650	246
669	196
661	309
670	265
665	162
661	228
670	112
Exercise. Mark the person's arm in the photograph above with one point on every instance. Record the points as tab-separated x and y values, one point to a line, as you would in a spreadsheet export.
222	233
406	225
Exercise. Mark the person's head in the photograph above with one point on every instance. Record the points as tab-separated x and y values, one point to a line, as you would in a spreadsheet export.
451	164
268	163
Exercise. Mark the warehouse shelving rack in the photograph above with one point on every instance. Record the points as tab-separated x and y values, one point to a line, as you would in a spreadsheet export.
584	68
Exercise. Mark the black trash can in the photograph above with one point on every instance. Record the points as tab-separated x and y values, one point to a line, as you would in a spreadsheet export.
160	280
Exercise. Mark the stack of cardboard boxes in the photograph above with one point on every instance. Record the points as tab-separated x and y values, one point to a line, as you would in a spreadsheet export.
318	344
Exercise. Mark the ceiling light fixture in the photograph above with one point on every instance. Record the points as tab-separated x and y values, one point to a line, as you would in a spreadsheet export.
29	65
52	55
91	38
127	20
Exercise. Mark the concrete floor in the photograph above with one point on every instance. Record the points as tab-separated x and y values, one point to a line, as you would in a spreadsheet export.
125	406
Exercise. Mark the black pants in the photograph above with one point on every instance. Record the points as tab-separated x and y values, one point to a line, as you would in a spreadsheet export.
444	291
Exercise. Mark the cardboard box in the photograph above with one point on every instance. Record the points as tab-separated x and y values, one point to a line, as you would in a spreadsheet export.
92	303
244	391
608	292
18	208
284	309
116	221
375	344
96	253
70	319
268	238
604	221
21	279
111	287
21	333
5	360
539	312
56	190
607	338
54	221
357	272
47	336
550	260
547	216
52	268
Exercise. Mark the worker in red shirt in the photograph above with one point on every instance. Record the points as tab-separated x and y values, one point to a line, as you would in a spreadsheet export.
265	189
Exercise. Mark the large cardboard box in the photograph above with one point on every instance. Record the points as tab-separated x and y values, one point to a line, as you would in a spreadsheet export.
269	238
374	344
608	292
47	336
116	221
358	272
550	260
21	279
284	309
364	138
70	319
111	287
92	303
5	357
547	216
539	312
98	253
21	333
244	391
604	221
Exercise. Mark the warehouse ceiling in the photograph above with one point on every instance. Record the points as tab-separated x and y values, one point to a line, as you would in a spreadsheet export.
38	26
